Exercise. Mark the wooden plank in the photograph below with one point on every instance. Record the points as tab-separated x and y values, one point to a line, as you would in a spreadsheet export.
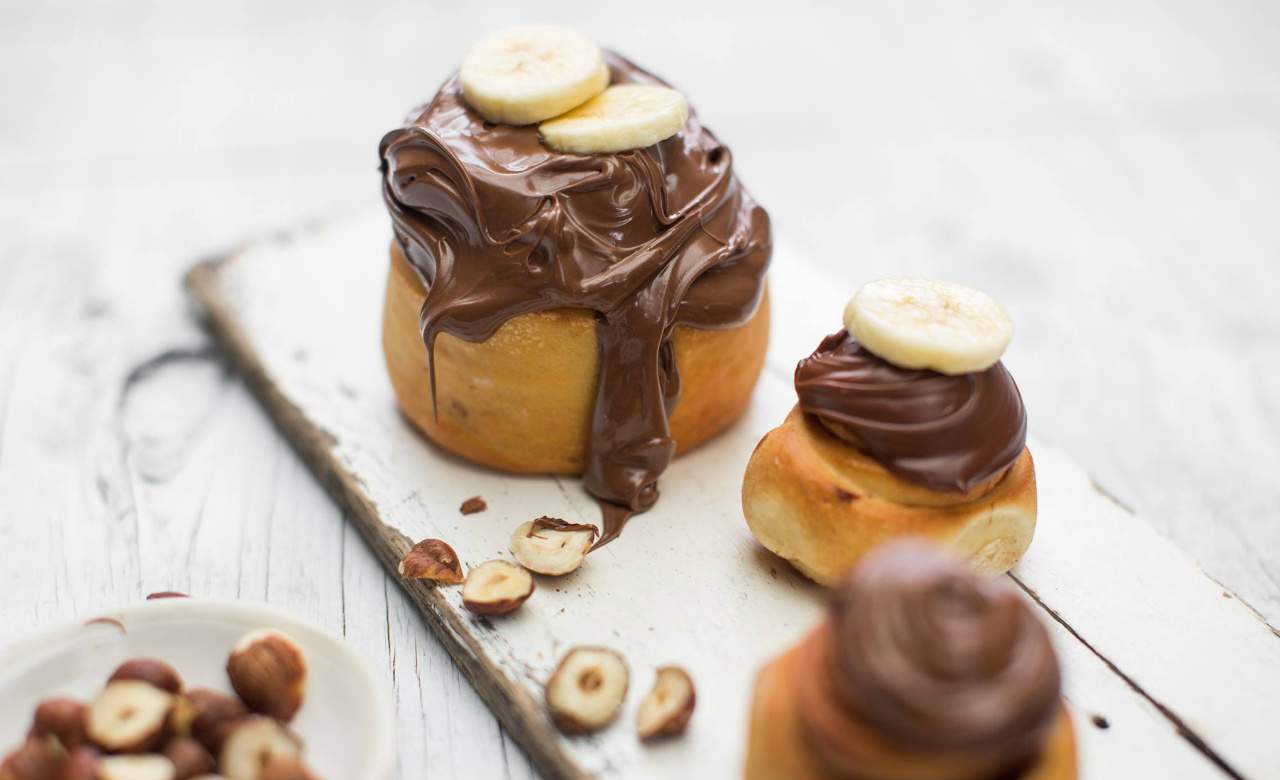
315	360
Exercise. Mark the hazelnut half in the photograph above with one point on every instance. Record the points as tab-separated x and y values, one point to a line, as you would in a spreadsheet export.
586	690
666	709
129	716
432	559
551	546
254	743
269	673
149	670
189	757
81	764
62	718
141	767
207	715
496	588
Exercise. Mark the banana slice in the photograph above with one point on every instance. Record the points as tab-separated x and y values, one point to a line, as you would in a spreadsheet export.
917	323
527	74
626	116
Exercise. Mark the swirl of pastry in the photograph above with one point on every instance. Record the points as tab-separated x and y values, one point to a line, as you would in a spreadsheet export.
947	433
928	666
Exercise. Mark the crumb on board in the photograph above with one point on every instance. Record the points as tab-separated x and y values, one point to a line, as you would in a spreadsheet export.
473	505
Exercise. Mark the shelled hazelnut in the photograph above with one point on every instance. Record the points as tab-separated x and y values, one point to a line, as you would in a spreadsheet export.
144	724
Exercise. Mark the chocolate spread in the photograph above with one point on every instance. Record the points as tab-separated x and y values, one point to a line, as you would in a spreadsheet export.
497	225
944	432
946	667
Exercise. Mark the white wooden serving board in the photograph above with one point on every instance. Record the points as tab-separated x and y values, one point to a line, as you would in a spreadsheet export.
1168	674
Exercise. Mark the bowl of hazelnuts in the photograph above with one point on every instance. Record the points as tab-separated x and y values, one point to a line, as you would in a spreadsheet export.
183	689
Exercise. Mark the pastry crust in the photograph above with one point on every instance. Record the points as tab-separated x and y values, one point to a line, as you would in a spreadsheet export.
776	750
522	401
820	504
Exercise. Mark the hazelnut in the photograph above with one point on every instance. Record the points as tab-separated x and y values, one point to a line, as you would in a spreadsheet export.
189	758
586	690
35	759
269	673
129	716
496	588
666	709
551	546
432	559
253	744
207	715
282	768
81	764
140	767
62	718
149	670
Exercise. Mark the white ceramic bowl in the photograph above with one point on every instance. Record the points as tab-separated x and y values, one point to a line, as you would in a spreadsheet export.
346	720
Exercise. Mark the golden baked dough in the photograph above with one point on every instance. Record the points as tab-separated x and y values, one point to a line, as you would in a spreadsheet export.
522	401
776	750
820	504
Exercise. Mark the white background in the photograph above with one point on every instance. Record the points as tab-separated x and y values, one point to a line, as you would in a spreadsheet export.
1110	170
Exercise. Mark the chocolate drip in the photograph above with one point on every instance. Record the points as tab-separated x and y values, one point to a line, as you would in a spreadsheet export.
948	668
944	432
498	225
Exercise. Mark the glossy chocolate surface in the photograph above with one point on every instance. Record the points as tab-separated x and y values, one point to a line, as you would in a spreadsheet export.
497	225
945	432
943	666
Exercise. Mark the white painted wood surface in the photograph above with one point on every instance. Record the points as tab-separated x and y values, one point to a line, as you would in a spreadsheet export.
1061	156
687	584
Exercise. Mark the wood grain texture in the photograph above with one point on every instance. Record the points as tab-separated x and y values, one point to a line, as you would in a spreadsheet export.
1109	169
1103	578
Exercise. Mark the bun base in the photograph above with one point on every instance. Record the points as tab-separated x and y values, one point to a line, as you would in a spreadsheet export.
776	749
522	401
819	503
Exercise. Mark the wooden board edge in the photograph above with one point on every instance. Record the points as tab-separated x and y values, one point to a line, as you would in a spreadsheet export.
1226	591
516	710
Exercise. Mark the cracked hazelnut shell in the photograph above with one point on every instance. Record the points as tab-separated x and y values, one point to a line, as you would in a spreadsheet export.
434	560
